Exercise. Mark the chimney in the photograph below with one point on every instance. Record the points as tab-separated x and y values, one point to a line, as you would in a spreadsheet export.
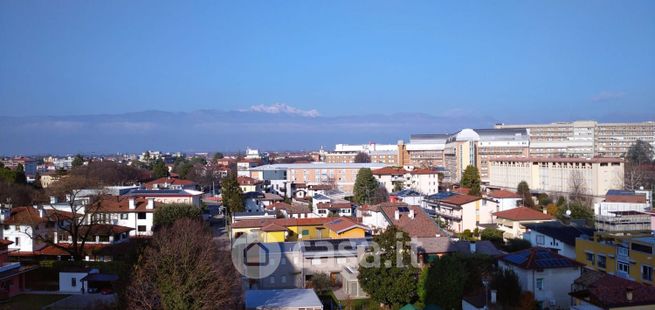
544	210
132	204
53	199
5	213
42	213
472	247
151	203
411	214
493	297
396	215
628	294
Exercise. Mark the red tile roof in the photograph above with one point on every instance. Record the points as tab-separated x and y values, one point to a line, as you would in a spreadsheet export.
30	216
244	180
501	194
609	291
523	214
462	190
419	226
121	204
274	227
105	229
626	198
389	171
334	205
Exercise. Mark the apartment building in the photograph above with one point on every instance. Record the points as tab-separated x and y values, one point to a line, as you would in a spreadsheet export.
594	177
425	181
629	257
460	152
496	143
585	138
342	175
379	153
623	211
460	212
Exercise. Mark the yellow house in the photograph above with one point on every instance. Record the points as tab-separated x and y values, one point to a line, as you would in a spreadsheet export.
289	229
627	257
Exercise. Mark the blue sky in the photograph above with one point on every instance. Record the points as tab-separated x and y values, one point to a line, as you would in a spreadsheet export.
511	61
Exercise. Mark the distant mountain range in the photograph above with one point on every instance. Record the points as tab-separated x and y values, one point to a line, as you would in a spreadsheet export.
214	130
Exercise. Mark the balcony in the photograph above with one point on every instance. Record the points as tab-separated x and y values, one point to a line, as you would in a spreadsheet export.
622	223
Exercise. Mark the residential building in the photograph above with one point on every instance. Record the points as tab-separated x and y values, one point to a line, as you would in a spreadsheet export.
505	199
408	196
410	219
598	290
557	236
287	299
293	210
424	181
558	176
244	166
623	211
460	212
585	138
248	184
25	226
512	222
341	175
291	229
171	183
328	209
546	274
628	256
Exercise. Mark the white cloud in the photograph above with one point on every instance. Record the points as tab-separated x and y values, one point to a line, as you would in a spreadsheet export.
607	96
277	108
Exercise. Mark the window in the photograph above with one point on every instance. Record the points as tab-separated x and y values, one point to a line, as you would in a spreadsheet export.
541	239
602	261
540	283
7	227
316	261
73	282
623	267
305	232
17	243
647	273
124	216
590	258
283	279
142	215
141	228
623	251
272	279
103	238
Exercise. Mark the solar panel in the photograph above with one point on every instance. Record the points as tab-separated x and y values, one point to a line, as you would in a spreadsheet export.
403	209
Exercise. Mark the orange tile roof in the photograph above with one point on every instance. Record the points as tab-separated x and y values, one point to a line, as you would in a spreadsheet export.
30	216
286	222
501	193
121	204
333	205
389	171
342	224
459	200
523	214
461	190
274	227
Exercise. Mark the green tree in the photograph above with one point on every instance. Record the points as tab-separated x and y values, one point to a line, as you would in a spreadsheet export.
217	156
388	275
159	169
446	282
471	180
232	194
20	177
365	187
524	191
420	286
398	186
509	290
78	160
167	214
640	153
494	235
561	201
320	282
579	211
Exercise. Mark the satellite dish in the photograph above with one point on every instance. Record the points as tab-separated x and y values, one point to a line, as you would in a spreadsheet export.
568	213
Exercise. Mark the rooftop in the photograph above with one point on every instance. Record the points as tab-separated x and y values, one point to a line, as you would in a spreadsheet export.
282	299
562	232
523	214
419	226
538	259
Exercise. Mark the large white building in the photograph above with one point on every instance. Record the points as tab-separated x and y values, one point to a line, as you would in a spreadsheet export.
585	138
425	181
593	177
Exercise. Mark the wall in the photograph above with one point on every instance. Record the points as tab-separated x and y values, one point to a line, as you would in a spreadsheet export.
65	281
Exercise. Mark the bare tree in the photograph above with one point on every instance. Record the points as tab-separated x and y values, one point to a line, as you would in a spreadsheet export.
633	177
183	268
75	218
577	188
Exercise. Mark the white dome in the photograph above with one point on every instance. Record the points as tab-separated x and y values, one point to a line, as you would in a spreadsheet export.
467	134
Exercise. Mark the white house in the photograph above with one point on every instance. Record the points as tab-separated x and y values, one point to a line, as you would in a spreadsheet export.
425	181
557	236
506	199
460	212
22	225
546	274
70	279
512	221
